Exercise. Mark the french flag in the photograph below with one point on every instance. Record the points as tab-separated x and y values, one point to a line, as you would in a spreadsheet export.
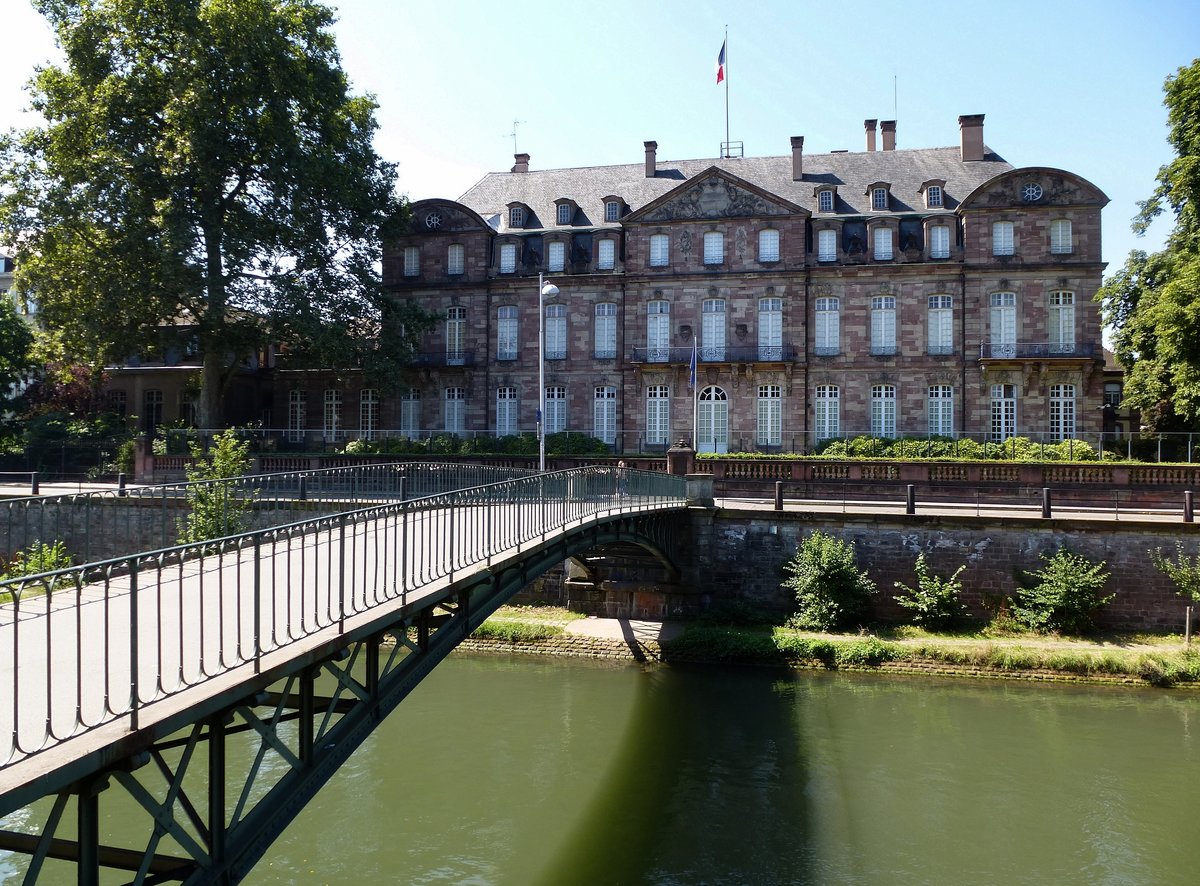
721	64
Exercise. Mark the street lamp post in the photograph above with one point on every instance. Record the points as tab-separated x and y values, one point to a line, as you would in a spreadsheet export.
545	288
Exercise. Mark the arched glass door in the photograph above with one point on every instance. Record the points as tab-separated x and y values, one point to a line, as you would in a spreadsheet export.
713	421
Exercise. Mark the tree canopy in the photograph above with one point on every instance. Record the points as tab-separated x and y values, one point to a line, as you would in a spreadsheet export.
1153	303
16	347
203	164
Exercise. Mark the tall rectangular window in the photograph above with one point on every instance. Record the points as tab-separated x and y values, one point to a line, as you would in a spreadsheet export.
1113	394
368	414
883	411
604	414
658	414
556	332
883	325
658	331
826	245
941	325
606	331
939	241
297	418
152	410
770	329
883	243
1060	236
1002	238
456	331
1003	323
660	250
333	415
508	258
606	255
1061	322
506	333
712	336
455	260
714	248
828	326
410	413
1004	412
412	261
769	430
768	245
556	409
506	411
454	410
941	411
1062	412
556	255
827	420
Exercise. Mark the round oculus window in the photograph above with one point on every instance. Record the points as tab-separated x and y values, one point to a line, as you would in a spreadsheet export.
433	220
1032	192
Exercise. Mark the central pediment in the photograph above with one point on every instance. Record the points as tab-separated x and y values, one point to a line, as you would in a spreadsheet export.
714	194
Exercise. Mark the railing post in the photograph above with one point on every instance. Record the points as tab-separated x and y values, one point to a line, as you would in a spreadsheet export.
258	646
1188	512
1045	502
910	499
133	641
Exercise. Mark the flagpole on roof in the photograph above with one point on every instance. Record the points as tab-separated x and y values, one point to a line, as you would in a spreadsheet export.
726	46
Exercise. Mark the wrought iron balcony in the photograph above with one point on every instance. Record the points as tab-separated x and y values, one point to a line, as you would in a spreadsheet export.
741	354
1044	350
444	358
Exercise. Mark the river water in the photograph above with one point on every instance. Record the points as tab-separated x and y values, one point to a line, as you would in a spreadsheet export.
530	771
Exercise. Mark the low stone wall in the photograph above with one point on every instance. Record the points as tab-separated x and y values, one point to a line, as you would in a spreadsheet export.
571	646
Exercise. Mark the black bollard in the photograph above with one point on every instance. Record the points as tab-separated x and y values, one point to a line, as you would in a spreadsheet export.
303	494
910	500
1188	513
1045	501
121	493
33	483
779	495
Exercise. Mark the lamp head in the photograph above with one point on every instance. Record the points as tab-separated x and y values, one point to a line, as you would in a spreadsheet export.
549	290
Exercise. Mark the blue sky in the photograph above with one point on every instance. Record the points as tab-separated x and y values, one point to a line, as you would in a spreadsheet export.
1077	85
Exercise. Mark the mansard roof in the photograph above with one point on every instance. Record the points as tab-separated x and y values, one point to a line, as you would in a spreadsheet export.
907	170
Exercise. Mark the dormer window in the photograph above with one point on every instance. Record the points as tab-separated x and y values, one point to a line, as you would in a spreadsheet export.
516	216
933	190
825	201
879	199
612	210
564	213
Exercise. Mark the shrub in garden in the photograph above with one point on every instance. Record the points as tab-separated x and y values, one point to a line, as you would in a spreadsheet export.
934	602
829	588
1064	597
215	507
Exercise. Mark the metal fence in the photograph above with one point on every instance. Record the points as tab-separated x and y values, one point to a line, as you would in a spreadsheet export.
89	645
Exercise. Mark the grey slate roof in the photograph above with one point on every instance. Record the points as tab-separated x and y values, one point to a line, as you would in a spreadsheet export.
905	170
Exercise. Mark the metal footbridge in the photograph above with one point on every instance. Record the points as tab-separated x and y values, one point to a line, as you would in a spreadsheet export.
131	675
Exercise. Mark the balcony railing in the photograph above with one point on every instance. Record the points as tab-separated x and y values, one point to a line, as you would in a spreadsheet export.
743	354
1038	350
444	358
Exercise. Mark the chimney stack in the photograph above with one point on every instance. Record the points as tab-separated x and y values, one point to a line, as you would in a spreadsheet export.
888	128
797	158
971	129
522	164
869	126
651	158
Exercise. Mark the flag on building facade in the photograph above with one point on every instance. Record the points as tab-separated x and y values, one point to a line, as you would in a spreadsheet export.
721	63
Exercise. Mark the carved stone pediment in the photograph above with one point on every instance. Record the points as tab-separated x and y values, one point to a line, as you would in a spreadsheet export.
715	196
1033	187
443	217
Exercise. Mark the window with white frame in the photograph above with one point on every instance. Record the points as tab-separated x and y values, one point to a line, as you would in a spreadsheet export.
1004	412
883	411
933	197
940	322
455	410
508	258
939	241
658	414
368	414
883	243
879	199
412	261
1002	238
768	245
606	255
1062	412
612	211
1003	324
564	213
297	418
410	413
660	250
1060	320
714	248
883	325
1113	394
941	411
712	336
827	245
769	431
516	217
825	201
1060	236
506	411
333	416
827	416
556	255
604	414
556	409
556	332
506	332
455	259
770	329
658	331
606	331
456	331
828	326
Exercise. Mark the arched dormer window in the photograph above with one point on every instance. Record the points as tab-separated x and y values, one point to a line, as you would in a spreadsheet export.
564	211
518	215
614	208
880	194
934	192
826	198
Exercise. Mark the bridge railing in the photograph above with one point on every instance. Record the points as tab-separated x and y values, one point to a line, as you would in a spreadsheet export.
104	524
85	646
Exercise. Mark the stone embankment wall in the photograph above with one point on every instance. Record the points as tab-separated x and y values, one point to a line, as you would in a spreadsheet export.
740	554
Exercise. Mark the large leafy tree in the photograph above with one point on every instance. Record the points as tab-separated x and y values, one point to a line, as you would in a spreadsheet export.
1153	303
16	352
203	164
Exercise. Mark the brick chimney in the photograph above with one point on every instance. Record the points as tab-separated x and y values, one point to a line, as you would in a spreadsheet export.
888	128
797	158
651	158
971	129
522	164
869	126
